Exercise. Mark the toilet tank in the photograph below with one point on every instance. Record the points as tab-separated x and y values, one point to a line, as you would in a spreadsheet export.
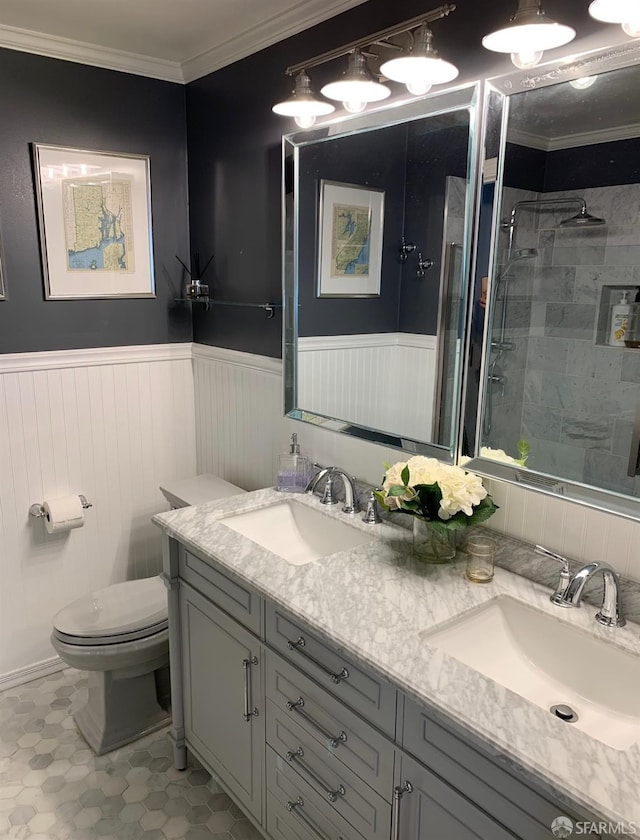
197	490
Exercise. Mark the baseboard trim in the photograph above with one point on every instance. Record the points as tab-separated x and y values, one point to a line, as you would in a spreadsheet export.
31	672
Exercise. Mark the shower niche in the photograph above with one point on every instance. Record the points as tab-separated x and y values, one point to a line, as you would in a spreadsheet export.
609	297
563	243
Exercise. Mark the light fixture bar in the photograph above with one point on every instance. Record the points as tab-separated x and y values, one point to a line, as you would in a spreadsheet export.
376	37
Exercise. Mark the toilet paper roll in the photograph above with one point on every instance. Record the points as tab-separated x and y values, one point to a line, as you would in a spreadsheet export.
63	514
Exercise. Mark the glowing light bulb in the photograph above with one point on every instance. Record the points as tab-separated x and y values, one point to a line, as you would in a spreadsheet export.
583	83
353	106
418	87
526	58
632	27
305	120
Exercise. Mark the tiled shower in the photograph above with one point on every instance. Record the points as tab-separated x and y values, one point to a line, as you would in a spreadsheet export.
566	391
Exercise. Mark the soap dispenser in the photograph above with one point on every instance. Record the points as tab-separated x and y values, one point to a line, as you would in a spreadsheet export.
620	321
293	469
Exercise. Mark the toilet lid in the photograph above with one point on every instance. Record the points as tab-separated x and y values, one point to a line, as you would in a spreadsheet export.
121	608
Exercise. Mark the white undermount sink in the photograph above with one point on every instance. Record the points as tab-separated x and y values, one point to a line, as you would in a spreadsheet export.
549	662
295	532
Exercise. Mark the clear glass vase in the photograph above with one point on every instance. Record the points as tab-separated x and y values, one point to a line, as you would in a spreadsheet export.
432	544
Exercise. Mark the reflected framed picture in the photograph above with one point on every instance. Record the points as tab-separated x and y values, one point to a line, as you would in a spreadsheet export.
351	220
94	212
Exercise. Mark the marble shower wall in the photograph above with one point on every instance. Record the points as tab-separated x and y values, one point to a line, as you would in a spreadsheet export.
579	394
507	397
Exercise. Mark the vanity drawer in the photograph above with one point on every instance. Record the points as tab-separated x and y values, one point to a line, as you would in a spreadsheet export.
330	724
514	804
308	817
368	695
236	600
361	806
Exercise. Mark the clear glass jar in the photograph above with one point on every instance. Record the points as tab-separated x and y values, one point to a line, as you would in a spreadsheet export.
481	552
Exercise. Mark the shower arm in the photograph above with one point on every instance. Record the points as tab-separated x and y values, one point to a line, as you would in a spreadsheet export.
542	202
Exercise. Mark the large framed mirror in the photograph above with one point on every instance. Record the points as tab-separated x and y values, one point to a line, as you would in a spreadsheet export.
377	248
555	348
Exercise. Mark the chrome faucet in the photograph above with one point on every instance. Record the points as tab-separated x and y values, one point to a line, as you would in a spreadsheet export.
570	588
610	613
328	497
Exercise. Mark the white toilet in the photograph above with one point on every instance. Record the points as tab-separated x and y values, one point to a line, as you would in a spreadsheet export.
120	636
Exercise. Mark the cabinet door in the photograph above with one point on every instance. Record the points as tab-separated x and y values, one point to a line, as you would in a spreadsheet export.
432	810
222	686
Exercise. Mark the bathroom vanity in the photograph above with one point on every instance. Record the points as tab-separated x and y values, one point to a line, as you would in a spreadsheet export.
310	688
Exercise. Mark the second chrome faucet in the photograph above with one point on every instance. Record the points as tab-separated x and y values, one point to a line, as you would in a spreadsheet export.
570	588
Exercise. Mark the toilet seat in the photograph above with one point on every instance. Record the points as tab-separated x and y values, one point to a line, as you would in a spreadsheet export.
120	613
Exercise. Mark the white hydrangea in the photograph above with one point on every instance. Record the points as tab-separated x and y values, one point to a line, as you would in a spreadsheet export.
461	491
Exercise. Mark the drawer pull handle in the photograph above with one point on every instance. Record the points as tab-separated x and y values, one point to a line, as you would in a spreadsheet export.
300	644
296	808
398	792
331	795
332	740
248	711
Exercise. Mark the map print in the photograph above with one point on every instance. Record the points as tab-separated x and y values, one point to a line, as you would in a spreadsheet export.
98	224
350	240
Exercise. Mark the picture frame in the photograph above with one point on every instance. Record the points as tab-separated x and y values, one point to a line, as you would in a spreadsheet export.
94	215
350	230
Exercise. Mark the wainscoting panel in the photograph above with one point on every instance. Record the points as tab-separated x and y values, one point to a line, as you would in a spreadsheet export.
383	381
112	424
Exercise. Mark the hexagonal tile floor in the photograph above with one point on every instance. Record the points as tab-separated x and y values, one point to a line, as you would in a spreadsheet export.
52	786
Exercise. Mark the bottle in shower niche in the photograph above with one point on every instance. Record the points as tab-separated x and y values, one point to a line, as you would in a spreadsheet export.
620	321
293	469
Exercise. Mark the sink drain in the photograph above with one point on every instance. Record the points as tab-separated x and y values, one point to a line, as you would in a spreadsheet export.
564	712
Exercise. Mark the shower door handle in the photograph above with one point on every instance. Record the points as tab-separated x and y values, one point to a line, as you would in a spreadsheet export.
634	454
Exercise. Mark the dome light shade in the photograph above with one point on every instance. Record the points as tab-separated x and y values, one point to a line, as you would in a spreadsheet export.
624	12
356	88
421	67
528	33
302	104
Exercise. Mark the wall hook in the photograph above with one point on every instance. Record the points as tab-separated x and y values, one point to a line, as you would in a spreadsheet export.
405	249
423	265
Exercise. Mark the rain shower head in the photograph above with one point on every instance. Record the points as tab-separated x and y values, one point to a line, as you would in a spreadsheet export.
582	219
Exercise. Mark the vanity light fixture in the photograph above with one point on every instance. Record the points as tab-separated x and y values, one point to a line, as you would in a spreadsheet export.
624	12
418	66
528	34
357	87
302	105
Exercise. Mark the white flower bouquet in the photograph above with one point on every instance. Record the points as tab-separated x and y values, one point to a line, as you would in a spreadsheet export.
447	497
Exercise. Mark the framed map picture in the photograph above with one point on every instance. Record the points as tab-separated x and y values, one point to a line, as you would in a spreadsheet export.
349	240
95	223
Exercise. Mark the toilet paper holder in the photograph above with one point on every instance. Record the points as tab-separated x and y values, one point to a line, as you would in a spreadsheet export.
38	510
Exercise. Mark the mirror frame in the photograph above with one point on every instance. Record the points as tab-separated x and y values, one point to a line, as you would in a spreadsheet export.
595	61
464	97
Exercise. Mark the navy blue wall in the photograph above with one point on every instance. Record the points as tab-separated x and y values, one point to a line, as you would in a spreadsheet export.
55	102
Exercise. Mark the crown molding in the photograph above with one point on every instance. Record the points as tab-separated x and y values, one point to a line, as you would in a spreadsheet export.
572	141
80	52
305	15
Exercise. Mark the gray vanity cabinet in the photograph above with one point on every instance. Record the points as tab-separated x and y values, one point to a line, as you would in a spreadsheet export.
427	808
222	690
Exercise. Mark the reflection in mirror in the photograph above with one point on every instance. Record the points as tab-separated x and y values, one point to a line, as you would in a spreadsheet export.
561	372
372	339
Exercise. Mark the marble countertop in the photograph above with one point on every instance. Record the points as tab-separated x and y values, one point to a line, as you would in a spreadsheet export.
375	602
